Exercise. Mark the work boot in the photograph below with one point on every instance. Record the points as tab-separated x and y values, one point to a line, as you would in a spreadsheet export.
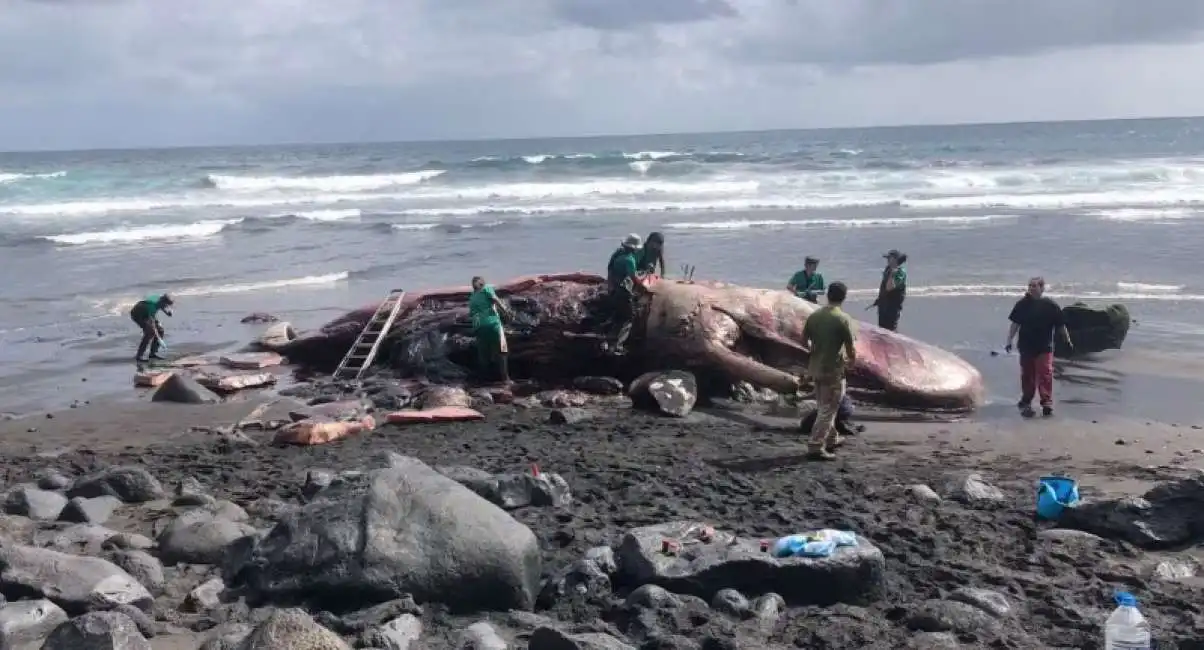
1026	409
819	453
1046	411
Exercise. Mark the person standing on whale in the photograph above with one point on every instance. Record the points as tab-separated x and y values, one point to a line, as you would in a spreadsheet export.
485	309
144	314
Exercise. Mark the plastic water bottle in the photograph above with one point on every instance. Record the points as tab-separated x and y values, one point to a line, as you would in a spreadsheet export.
1126	628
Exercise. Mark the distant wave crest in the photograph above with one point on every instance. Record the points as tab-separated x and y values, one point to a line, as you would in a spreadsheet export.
344	183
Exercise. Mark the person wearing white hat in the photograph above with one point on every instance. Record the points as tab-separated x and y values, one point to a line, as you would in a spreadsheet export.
621	275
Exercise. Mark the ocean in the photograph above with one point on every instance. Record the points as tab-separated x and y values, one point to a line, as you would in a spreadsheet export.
1109	211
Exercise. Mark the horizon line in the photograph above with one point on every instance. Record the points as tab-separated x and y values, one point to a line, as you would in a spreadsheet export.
596	136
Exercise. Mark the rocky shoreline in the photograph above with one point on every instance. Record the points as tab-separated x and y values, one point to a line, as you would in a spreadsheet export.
610	529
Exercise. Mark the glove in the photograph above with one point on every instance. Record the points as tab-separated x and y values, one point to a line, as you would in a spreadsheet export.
1008	348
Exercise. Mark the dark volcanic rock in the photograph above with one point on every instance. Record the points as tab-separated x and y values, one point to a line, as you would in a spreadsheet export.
1169	514
512	491
851	574
96	510
598	385
29	501
98	631
130	484
28	621
395	536
569	415
73	582
671	392
259	317
182	389
547	638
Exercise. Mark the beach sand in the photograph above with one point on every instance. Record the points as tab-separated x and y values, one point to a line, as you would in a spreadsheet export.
739	472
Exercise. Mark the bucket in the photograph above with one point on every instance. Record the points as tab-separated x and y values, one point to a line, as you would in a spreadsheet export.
1054	494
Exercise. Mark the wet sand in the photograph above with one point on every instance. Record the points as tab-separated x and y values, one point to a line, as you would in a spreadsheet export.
743	473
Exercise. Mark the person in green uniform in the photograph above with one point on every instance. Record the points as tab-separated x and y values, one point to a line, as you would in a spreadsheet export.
486	309
807	283
621	274
892	291
653	255
145	315
831	337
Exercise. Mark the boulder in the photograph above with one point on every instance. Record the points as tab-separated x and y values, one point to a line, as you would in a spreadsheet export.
481	636
37	504
513	490
74	583
671	392
852	574
972	490
258	317
144	567
182	389
404	529
228	636
206	596
28	621
85	539
97	631
401	633
276	336
360	621
292	629
952	616
549	638
569	415
96	510
200	538
599	385
1168	514
130	484
50	479
439	396
1093	329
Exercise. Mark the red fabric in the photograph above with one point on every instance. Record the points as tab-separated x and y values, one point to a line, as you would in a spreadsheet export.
1036	377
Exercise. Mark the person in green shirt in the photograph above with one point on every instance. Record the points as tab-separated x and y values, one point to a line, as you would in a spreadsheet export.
486	309
145	315
831	337
621	276
808	283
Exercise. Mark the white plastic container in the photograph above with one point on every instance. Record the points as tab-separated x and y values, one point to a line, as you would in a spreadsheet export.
1126	628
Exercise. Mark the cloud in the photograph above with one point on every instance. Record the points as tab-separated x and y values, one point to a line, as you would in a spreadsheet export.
134	72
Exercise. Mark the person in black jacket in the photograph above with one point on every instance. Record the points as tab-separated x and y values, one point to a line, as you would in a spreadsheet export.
892	291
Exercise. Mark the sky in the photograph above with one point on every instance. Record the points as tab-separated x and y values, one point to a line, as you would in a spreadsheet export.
130	73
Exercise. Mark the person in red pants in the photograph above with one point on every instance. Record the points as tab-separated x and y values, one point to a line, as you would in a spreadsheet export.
1035	318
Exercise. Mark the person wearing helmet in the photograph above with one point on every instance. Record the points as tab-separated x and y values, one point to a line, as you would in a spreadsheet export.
621	277
145	316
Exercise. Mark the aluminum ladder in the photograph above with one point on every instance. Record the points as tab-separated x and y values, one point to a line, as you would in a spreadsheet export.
366	345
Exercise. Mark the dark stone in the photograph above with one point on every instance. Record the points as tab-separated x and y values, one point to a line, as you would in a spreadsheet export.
259	317
182	389
671	392
569	415
97	631
75	583
851	574
49	479
548	638
512	491
391	535
130	484
356	623
1093	329
200	538
96	510
950	616
28	621
732	603
598	385
1169	514
144	567
29	501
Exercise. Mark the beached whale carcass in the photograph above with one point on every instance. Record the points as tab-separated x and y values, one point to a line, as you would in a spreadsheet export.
725	333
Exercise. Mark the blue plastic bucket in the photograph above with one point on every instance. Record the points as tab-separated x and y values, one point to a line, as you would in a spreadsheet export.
1054	494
